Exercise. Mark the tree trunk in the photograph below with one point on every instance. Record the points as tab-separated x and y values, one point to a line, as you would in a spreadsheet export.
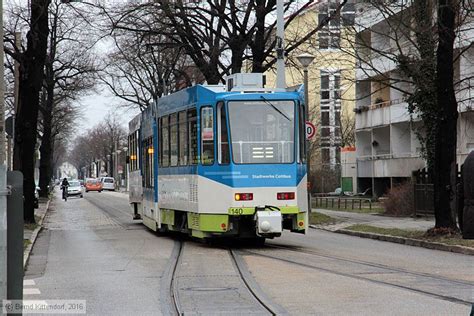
31	79
258	45
46	149
446	134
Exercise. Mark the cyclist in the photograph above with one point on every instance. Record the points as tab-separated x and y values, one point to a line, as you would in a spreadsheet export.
64	185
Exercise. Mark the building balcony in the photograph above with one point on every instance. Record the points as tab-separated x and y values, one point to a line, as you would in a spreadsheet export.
374	66
387	166
383	113
367	15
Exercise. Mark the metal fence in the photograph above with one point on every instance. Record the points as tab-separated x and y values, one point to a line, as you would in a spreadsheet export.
424	190
342	203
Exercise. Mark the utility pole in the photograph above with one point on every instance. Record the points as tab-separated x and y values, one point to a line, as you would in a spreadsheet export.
3	179
16	92
280	47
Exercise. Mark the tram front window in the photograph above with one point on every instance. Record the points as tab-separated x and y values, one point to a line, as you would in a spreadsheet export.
262	131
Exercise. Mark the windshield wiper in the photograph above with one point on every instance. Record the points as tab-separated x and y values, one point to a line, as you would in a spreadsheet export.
275	108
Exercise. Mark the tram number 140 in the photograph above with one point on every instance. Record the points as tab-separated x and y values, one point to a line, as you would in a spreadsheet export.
236	211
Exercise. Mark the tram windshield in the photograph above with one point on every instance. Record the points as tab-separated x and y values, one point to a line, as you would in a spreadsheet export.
262	131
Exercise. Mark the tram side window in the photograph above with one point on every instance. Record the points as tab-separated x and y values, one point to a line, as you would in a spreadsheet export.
223	146
148	151
183	136
151	162
130	145
133	154
192	137
302	134
173	140
145	163
165	142
207	135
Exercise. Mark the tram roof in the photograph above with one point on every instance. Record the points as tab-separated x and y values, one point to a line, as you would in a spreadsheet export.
200	95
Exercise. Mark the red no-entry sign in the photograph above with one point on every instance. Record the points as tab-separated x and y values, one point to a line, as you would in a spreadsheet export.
310	130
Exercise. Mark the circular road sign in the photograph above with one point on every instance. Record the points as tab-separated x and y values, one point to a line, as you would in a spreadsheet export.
310	130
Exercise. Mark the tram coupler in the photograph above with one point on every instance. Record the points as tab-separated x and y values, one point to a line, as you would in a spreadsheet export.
268	221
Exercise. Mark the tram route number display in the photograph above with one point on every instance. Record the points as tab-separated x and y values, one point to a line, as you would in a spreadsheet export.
310	130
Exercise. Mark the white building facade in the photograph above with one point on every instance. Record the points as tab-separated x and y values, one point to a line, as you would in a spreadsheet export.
388	149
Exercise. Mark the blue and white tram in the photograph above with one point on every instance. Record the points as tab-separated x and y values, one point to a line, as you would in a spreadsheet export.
211	162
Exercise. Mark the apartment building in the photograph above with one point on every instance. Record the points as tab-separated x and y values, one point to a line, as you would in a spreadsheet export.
331	83
387	144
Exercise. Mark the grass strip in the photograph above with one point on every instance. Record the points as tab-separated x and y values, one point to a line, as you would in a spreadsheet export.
356	210
30	226
26	243
321	219
414	234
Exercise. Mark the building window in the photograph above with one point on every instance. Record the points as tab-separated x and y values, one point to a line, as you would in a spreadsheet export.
330	35
325	118
348	13
325	156
325	132
330	100
337	86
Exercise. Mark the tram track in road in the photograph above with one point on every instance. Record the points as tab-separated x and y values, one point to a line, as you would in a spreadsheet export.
176	286
252	285
115	213
421	283
173	286
371	264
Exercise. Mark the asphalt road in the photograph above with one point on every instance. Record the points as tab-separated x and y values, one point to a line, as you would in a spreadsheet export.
91	250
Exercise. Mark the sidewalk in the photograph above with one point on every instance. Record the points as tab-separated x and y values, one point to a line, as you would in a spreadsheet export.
350	218
30	233
410	226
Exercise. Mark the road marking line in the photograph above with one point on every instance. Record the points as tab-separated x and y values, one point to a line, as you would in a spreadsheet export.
31	291
29	282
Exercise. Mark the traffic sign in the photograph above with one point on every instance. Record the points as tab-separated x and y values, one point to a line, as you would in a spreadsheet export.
310	130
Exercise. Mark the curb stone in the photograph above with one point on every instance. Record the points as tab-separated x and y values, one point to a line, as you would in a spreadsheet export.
34	235
406	241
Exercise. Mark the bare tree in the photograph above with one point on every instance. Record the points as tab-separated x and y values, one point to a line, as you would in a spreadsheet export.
69	72
419	41
218	36
31	79
99	143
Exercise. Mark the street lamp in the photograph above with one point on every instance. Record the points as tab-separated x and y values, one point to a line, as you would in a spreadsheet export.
305	60
108	166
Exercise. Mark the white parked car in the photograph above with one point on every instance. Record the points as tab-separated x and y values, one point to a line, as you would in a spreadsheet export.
108	183
75	188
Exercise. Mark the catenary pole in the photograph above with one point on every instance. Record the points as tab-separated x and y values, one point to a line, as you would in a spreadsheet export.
3	179
280	47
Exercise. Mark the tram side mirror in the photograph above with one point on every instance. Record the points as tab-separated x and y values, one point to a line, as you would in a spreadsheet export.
127	159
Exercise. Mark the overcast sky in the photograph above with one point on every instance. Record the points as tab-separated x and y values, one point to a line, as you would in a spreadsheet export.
97	106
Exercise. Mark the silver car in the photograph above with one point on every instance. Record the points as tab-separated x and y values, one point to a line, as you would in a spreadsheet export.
108	183
75	188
